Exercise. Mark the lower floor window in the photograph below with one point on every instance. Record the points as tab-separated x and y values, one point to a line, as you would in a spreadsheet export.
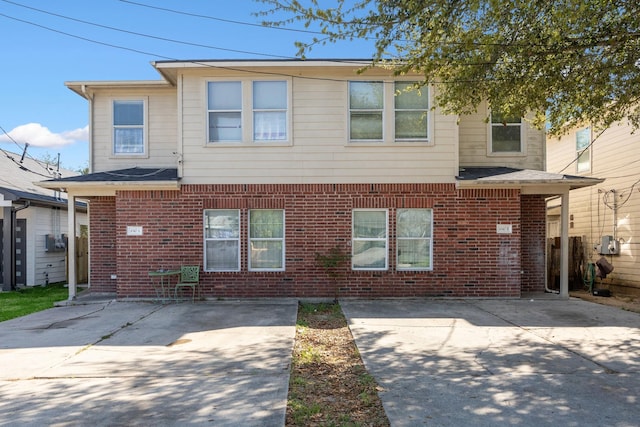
266	240
414	231
370	243
222	240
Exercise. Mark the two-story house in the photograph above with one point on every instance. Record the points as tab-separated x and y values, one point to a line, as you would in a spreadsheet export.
251	169
605	217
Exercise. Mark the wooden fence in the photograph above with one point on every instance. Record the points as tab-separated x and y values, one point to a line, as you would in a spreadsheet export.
577	263
82	260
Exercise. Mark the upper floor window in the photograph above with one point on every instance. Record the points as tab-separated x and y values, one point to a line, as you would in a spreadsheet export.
371	120
506	134
370	239
583	150
269	111
411	112
128	127
225	111
366	107
248	111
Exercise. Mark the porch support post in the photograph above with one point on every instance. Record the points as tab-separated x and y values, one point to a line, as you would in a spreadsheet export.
564	246
71	245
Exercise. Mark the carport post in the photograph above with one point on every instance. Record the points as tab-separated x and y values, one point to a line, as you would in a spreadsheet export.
71	245
564	245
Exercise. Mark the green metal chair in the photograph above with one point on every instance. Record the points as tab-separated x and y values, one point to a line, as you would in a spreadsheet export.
189	278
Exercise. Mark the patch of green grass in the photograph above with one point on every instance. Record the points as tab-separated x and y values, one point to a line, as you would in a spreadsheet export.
301	412
30	300
323	307
308	355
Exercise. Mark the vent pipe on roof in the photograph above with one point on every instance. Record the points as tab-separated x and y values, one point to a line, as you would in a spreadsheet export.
24	152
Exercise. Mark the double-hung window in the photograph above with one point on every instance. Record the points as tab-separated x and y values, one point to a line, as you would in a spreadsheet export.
506	134
128	127
388	111
411	112
366	108
583	150
370	239
266	240
243	111
225	111
222	240
269	111
414	239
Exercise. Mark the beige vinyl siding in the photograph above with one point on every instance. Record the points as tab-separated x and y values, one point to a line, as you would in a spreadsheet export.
318	150
615	156
474	144
161	130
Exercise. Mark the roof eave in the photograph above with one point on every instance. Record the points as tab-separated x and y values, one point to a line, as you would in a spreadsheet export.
543	186
108	188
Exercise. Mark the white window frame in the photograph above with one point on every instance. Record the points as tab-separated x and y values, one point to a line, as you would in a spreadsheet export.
424	92
583	152
247	115
263	239
389	115
429	239
144	127
256	111
210	140
380	111
523	148
355	239
225	239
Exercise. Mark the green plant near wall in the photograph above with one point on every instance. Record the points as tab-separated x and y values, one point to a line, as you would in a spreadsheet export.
333	262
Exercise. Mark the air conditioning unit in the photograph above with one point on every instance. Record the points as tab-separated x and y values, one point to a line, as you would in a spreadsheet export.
608	246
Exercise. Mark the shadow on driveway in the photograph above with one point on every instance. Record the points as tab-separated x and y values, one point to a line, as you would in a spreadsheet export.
118	363
501	362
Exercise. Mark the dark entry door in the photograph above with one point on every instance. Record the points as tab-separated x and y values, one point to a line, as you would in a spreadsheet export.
20	252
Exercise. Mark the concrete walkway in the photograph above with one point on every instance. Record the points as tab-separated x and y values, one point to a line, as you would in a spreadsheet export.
501	362
126	364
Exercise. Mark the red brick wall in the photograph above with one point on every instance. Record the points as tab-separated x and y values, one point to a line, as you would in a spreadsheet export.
534	227
102	244
470	258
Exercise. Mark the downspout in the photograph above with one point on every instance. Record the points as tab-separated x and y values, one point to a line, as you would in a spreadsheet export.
89	98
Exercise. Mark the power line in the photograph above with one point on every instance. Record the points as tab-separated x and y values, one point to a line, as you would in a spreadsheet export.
230	21
27	154
166	39
585	149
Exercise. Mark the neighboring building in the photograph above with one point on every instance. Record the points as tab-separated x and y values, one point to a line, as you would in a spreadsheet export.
253	168
606	216
33	223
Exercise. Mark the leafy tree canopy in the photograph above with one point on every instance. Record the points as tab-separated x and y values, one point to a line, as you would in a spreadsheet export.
575	60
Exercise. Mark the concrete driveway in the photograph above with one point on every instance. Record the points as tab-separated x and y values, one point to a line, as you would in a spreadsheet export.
124	364
501	362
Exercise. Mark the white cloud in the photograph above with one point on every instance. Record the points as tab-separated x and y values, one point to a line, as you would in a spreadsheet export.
40	136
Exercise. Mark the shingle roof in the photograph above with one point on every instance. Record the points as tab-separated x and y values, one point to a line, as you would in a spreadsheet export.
496	175
19	175
126	175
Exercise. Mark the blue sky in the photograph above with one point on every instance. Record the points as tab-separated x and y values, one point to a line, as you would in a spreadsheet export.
44	48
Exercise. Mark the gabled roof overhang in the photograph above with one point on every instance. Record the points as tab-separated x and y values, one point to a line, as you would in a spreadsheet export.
526	180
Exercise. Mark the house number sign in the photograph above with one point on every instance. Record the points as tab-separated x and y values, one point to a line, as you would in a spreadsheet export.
504	228
134	230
